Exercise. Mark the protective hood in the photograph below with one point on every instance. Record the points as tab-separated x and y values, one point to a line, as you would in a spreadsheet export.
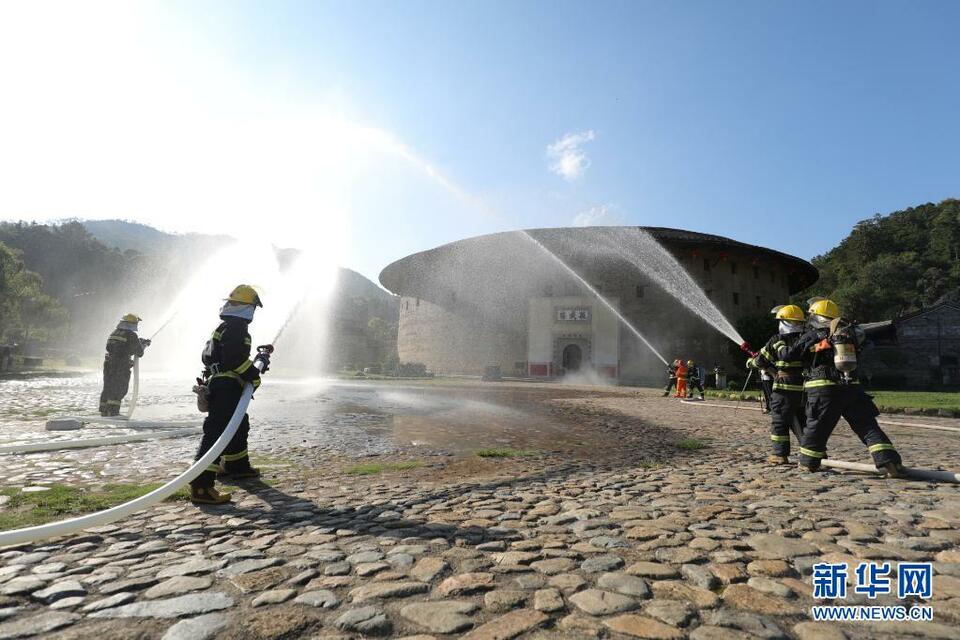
819	322
238	310
128	326
790	326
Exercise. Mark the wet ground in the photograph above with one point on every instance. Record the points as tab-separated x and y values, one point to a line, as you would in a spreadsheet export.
632	516
292	419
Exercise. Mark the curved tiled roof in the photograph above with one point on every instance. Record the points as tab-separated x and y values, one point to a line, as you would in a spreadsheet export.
401	276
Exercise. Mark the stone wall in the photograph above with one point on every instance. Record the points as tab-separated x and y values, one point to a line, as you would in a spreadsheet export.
451	342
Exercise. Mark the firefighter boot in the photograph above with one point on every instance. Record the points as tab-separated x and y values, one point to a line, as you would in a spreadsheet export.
207	495
894	470
775	459
203	492
237	467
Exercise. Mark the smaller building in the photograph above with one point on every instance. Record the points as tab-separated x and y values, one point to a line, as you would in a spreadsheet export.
569	334
924	355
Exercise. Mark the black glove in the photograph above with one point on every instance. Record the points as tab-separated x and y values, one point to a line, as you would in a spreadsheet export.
264	360
145	342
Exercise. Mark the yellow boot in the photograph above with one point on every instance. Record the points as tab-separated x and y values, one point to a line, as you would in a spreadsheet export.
208	495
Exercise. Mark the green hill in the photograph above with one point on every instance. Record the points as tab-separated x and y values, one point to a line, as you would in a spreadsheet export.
893	264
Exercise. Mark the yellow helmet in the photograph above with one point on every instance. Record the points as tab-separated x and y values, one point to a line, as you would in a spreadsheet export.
823	307
689	363
131	317
245	294
788	312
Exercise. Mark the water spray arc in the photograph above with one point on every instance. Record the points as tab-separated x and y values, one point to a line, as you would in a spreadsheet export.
650	258
595	293
433	173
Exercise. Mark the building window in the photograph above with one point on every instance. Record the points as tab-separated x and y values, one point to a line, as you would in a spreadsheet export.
641	291
706	264
758	302
733	268
736	298
756	273
406	305
418	303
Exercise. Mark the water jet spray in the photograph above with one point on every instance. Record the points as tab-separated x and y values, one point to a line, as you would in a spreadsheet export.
433	173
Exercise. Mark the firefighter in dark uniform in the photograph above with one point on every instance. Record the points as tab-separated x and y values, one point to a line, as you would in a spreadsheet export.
123	346
228	368
828	351
671	378
787	411
695	379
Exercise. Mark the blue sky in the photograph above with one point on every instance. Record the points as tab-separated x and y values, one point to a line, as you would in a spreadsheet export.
775	123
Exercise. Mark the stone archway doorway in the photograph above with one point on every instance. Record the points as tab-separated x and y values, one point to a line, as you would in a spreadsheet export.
572	358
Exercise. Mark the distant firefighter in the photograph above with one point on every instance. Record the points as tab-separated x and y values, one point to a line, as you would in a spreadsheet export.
671	378
696	378
786	396
122	346
682	372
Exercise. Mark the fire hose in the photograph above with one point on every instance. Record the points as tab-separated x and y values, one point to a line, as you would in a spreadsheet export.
136	387
85	443
919	474
73	525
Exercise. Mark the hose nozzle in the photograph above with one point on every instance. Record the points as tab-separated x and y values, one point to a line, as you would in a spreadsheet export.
745	347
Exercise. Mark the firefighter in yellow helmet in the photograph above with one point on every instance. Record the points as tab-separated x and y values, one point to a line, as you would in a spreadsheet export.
787	413
123	346
227	369
829	350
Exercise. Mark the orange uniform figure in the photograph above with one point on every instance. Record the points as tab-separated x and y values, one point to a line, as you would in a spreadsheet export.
681	379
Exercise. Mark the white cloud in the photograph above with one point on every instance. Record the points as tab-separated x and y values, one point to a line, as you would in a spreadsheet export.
598	215
567	157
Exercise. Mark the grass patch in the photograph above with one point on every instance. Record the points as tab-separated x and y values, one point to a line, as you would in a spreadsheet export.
503	452
691	444
888	401
372	468
917	399
62	501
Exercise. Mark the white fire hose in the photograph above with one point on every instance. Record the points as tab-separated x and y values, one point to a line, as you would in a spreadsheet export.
919	474
86	443
122	423
136	387
73	525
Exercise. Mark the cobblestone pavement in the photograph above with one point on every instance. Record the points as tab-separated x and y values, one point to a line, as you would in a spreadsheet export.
607	529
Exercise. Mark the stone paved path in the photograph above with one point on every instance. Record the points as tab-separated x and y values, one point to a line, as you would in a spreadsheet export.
618	533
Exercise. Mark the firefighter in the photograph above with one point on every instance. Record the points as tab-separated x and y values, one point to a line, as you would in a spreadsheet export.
228	368
671	378
681	379
833	389
695	379
787	411
766	386
123	346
